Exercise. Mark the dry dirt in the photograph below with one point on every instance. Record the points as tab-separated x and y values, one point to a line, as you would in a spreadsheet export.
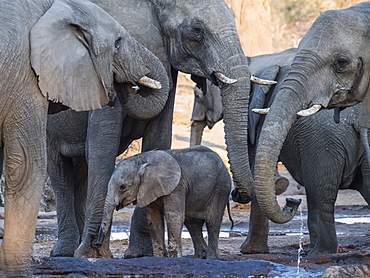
284	240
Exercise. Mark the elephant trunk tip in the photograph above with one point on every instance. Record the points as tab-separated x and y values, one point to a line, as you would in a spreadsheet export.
240	197
101	235
291	206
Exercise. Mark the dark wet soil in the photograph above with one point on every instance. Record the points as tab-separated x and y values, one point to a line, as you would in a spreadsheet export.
281	261
285	240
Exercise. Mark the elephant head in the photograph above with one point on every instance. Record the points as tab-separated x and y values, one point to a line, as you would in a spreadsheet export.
77	46
200	38
331	68
143	179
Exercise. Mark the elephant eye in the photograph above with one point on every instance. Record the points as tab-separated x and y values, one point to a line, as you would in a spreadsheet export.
197	33
341	64
122	187
117	43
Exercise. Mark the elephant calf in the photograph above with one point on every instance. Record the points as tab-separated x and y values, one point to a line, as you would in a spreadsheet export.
187	186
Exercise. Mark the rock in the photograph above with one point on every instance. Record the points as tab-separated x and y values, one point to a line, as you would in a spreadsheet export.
347	271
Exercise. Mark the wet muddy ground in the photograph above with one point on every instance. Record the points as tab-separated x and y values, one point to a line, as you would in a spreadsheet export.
283	259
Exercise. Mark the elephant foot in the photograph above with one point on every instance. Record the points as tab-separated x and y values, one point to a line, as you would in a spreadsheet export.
64	248
93	251
250	247
281	184
319	252
132	252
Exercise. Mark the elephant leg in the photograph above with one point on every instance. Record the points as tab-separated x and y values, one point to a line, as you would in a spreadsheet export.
321	202
103	139
213	229
156	226
257	238
174	213
61	175
158	135
194	227
80	191
196	132
25	176
364	189
140	242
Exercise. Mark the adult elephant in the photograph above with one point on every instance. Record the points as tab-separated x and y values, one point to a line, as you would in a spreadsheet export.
64	51
320	154
188	36
331	68
207	108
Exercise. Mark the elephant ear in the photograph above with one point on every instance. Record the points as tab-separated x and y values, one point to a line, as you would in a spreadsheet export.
60	57
258	98
364	116
160	175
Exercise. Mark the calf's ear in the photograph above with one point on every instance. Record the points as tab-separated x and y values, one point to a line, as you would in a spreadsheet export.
159	177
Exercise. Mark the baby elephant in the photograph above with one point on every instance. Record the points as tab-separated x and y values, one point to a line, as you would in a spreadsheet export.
187	186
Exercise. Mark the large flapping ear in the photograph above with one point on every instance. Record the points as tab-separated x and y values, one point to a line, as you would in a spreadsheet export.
364	116
60	56
161	176
364	87
258	98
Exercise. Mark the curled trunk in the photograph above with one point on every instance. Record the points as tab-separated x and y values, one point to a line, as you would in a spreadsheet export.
141	102
276	127
235	101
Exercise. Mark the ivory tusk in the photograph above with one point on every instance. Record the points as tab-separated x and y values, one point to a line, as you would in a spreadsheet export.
224	79
262	111
310	111
262	81
150	83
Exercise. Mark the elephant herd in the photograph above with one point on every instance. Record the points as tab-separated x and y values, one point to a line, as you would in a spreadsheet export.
115	64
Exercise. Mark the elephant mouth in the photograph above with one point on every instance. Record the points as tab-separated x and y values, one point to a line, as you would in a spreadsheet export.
121	205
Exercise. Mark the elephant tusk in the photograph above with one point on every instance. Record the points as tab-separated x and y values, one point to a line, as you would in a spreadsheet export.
262	111
224	79
150	83
310	111
262	81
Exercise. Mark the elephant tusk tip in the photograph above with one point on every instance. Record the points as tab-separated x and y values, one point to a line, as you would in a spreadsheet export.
310	111
261	111
260	81
224	79
150	83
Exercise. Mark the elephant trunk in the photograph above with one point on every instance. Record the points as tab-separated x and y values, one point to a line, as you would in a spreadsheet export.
279	120
235	101
145	101
106	223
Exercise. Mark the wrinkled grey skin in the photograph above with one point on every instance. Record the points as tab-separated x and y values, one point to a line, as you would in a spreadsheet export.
331	68
171	187
36	67
324	157
186	36
207	109
68	131
321	155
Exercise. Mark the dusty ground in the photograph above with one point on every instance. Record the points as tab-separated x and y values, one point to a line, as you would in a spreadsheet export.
284	240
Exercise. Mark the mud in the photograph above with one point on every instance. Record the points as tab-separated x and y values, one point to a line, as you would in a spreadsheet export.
283	260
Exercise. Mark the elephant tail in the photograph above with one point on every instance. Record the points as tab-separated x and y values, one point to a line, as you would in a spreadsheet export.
229	213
